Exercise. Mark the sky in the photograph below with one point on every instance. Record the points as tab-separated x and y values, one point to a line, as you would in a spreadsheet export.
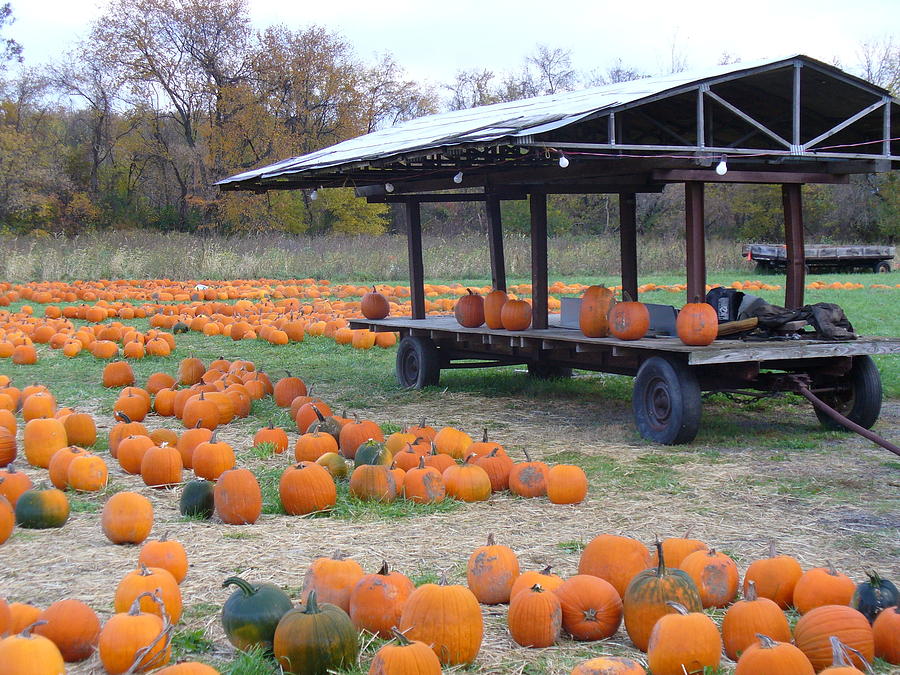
433	39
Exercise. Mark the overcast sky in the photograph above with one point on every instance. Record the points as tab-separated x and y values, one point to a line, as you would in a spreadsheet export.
433	39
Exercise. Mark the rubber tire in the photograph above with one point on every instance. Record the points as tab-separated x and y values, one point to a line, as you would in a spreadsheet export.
675	417
882	267
543	371
418	363
862	403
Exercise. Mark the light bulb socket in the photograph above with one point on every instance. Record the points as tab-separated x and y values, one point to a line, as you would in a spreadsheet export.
314	195
563	161
722	167
458	178
388	187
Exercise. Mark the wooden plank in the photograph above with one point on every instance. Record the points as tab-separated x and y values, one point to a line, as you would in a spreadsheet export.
416	266
495	242
765	177
539	283
695	241
628	243
795	284
789	351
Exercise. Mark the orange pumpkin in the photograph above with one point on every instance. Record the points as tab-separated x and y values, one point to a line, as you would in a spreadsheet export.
593	317
515	315
697	323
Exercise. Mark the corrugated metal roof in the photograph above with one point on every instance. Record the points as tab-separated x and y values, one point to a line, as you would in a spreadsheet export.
502	120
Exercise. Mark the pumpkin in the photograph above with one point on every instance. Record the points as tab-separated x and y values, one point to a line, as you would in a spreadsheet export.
197	499
118	374
448	618
372	452
199	410
873	596
147	580
609	665
886	634
493	306
251	613
161	467
188	668
131	452
87	472
167	436
497	464
593	317
357	432
287	389
59	465
333	579
629	320
124	429
40	509
528	478
13	484
188	442
412	657
765	656
697	323
210	459
715	575
132	404
467	482
813	630
750	616
310	447
822	586
22	615
469	310
127	518
545	578
515	315
452	442
128	634
159	381
677	549
237	497
374	305
30	653
8	449
315	639
190	370
334	464
167	554
7	523
614	558
648	595
491	571
81	430
535	618
72	626
684	642
305	488
591	607
316	412
566	484
43	437
39	404
424	484
377	601
274	436
775	577
421	430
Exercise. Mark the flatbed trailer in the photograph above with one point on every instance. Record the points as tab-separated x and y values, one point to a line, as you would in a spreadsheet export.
670	376
820	257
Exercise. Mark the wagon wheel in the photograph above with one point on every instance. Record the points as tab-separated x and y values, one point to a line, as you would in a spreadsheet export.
859	401
545	371
666	401
418	362
881	267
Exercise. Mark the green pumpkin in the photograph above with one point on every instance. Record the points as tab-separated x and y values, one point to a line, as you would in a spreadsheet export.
180	327
316	640
197	499
325	425
372	452
39	509
874	595
252	612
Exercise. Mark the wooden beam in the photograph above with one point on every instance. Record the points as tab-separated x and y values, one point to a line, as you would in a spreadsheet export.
695	241
772	177
433	198
793	238
539	261
495	242
628	243
416	266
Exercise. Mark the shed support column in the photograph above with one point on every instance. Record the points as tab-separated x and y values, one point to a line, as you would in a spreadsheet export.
695	241
539	260
793	238
628	243
495	241
416	267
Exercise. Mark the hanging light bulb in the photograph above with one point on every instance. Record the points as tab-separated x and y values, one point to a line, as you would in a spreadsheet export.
314	195
388	187
722	167
563	161
458	178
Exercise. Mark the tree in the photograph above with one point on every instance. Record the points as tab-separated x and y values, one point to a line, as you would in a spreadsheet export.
470	89
554	69
387	97
879	63
614	73
10	50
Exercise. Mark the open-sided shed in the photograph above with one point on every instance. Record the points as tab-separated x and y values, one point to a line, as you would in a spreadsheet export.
787	121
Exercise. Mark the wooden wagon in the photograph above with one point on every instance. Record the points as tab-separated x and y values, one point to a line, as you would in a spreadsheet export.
786	121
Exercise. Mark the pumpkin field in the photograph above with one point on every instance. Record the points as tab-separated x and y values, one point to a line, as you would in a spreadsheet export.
173	445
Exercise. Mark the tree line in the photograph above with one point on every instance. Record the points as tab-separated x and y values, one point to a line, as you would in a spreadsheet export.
133	126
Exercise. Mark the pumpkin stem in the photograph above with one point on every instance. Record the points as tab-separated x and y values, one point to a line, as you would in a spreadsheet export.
765	642
493	453
421	462
772	553
831	570
136	604
318	414
245	586
145	571
422	423
484	438
125	418
590	614
384	571
490	539
874	578
678	607
537	588
197	425
312	607
661	568
527	456
26	632
546	571
401	639
751	593
443	580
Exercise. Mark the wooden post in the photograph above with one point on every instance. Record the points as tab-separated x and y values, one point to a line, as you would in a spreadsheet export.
695	241
416	267
495	242
793	238
628	243
538	260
